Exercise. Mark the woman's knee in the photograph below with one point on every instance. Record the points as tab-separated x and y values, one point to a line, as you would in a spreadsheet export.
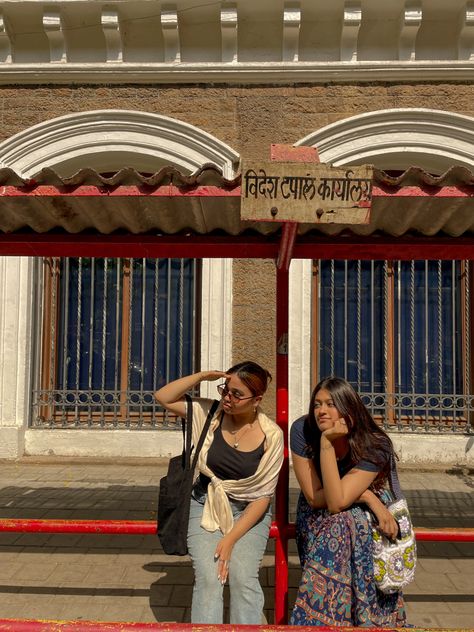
242	575
206	577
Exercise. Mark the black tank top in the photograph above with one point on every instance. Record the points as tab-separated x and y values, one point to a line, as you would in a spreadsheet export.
227	463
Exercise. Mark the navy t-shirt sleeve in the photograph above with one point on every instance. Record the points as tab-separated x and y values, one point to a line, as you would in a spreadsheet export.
367	466
379	463
298	443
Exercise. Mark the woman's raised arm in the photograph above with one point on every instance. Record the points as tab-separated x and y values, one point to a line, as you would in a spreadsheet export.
171	395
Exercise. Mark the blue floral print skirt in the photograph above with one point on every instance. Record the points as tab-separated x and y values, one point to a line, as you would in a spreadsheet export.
337	587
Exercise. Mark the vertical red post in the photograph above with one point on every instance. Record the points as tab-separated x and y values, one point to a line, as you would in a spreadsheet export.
282	153
281	502
282	320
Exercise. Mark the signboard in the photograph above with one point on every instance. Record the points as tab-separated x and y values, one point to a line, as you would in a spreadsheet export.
306	193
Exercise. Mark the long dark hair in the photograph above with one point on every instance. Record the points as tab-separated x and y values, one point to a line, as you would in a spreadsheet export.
255	377
366	439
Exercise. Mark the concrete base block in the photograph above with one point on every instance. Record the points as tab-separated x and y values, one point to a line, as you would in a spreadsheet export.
11	442
428	450
415	449
103	443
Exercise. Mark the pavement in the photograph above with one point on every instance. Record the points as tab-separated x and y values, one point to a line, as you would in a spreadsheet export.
128	578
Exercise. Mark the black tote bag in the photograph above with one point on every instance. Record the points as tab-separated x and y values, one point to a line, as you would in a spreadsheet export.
174	496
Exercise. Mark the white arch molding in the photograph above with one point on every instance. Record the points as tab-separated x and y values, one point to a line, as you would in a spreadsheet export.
390	139
107	140
397	138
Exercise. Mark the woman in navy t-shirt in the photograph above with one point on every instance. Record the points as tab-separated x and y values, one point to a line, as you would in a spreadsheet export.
341	459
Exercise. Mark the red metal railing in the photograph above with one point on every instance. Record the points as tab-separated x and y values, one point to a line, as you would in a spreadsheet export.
148	527
29	625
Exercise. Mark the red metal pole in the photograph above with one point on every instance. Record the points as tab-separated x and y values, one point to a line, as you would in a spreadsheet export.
281	509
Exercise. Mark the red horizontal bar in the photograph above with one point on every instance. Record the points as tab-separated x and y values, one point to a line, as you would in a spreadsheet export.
88	190
124	527
170	190
239	246
29	625
93	245
384	248
148	527
449	191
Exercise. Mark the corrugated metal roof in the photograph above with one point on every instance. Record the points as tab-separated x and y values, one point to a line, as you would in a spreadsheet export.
412	202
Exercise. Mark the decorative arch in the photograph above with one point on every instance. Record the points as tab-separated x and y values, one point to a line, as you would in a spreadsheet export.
397	138
108	140
390	139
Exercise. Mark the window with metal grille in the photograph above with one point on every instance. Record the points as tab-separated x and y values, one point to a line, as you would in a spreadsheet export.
399	332
113	331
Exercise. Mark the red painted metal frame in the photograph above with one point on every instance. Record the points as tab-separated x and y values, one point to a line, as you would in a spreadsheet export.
29	625
379	190
148	527
241	246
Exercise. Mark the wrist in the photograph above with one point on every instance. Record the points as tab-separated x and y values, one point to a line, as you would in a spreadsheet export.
326	444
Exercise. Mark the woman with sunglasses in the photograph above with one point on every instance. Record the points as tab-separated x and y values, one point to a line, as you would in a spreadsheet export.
230	504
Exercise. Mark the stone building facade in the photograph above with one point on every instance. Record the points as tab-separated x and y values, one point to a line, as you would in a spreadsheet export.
249	75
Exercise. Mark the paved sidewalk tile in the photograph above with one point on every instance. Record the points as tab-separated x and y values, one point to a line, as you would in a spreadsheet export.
128	578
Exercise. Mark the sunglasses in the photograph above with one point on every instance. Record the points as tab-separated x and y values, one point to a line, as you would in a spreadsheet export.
223	391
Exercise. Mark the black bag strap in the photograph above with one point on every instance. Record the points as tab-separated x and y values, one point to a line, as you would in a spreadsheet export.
189	425
207	423
393	479
187	432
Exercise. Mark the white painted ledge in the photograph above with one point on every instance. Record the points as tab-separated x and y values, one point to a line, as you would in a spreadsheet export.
421	449
237	72
103	443
414	449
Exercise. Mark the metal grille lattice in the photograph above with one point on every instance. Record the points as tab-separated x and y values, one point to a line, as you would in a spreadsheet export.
400	332
113	331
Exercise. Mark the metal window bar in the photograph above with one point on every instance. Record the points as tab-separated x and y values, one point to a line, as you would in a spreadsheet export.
113	334
428	367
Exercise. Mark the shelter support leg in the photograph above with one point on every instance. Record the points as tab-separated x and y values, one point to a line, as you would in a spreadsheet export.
281	543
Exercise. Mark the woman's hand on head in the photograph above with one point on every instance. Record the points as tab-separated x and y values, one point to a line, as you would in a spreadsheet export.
212	376
222	556
337	431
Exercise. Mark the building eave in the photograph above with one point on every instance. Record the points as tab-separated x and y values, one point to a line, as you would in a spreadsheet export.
238	73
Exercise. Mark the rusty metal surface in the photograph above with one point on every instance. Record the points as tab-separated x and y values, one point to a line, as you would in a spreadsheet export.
169	202
30	625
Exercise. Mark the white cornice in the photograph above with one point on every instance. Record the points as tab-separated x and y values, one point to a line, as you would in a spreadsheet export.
252	72
235	41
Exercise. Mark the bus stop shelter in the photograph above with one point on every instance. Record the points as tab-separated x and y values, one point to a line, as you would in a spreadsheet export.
414	215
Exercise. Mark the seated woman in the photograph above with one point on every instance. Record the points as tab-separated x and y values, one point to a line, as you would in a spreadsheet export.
230	514
340	458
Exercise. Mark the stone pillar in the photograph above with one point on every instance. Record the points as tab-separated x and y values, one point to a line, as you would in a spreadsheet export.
16	276
300	340
216	319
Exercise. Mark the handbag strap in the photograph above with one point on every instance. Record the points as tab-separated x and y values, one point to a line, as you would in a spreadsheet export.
189	431
393	479
207	423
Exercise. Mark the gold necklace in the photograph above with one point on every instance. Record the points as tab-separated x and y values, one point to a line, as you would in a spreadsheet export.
236	437
235	433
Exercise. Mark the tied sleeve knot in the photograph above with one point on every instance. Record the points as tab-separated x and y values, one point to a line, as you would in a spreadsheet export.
217	513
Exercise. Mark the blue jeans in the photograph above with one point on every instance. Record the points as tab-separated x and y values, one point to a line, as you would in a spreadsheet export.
246	595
